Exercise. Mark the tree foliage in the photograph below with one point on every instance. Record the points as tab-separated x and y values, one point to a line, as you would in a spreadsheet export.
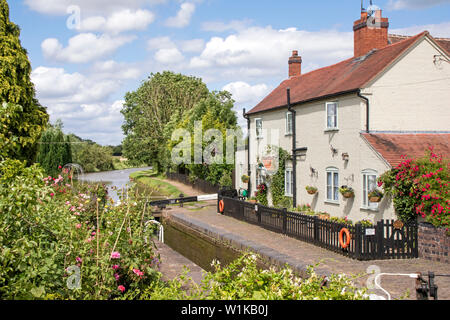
214	113
23	118
149	109
54	151
91	156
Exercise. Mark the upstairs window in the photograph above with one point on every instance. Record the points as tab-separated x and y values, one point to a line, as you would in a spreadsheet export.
331	108
258	128
288	123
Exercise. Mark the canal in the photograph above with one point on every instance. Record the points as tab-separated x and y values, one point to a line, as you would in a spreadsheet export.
196	248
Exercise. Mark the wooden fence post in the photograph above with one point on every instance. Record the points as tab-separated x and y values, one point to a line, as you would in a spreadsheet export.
284	220
379	231
316	229
358	238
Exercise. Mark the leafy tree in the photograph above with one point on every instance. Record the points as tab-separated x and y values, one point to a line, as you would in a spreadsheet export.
89	155
148	110
214	112
54	151
23	118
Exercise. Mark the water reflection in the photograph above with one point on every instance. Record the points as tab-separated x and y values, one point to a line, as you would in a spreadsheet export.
118	178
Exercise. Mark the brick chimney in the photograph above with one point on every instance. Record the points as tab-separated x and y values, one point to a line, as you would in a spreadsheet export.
295	64
370	32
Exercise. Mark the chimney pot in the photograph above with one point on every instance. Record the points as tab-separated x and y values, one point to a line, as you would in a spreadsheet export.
295	64
370	33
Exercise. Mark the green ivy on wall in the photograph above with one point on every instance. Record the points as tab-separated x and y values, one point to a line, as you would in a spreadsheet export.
278	182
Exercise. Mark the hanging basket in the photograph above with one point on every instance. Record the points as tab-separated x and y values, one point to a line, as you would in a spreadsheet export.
311	190
374	199
348	194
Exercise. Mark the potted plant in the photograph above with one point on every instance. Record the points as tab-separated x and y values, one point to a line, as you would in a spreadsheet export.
311	189
245	178
252	200
375	195
347	192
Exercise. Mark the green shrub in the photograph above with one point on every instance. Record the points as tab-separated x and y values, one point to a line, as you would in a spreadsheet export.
244	280
50	229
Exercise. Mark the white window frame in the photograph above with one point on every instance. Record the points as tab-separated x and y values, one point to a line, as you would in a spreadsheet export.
365	203
259	135
289	124
288	182
334	187
335	127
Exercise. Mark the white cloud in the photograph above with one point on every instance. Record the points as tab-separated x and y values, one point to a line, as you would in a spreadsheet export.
83	48
414	4
218	26
169	56
167	52
244	93
263	52
87	7
55	86
120	21
194	45
183	17
441	30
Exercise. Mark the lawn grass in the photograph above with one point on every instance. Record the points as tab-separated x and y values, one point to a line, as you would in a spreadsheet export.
150	180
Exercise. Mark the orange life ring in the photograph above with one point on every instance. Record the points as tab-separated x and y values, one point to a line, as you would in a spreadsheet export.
341	240
221	206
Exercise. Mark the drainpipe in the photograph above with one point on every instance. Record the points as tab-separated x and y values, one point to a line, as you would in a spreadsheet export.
294	150
246	116
367	109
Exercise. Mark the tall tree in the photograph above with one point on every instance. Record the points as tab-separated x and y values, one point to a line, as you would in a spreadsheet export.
26	123
214	113
54	151
148	110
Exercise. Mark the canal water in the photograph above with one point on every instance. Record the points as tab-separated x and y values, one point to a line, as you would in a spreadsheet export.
117	178
197	249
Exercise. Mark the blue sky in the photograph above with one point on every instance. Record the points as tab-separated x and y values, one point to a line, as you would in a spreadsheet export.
82	74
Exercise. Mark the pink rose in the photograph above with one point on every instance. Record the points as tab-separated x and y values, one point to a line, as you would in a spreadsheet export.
78	226
115	267
115	255
121	288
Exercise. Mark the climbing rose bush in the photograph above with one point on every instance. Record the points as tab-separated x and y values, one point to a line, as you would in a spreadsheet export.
420	187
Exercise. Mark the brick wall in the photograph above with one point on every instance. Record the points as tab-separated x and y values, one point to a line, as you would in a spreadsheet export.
434	244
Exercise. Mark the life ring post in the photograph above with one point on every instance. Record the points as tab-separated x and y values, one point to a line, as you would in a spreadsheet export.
345	244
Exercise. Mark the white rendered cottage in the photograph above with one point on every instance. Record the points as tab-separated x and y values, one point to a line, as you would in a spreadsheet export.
354	119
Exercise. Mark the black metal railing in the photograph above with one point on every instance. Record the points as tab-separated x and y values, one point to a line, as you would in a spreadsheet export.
198	184
384	240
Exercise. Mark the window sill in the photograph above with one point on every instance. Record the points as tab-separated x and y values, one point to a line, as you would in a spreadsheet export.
289	195
369	209
332	202
331	130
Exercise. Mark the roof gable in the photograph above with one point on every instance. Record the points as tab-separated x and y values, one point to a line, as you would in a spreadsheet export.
344	77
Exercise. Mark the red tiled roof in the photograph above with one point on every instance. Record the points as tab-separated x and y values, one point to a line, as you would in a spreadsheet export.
443	42
346	76
391	146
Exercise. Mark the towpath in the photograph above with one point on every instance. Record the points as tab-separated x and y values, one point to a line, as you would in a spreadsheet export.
280	249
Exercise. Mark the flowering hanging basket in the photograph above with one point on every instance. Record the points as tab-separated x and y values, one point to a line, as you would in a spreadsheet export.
347	192
311	190
245	178
375	195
